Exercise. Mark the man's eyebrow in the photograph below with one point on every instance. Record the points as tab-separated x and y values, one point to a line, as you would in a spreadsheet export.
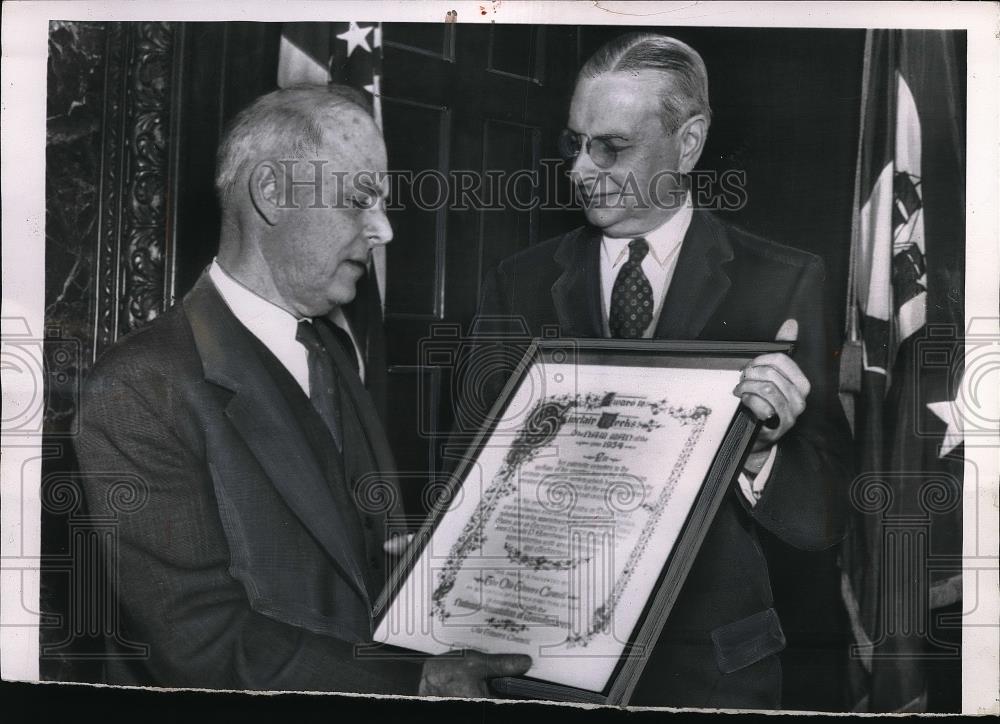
614	135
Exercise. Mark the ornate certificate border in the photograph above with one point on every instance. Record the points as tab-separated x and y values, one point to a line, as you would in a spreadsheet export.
541	425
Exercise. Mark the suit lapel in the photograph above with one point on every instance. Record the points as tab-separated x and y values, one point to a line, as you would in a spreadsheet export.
263	418
364	317
577	307
699	282
371	425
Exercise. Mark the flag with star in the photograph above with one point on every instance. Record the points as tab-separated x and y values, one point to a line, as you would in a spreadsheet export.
356	59
900	568
350	54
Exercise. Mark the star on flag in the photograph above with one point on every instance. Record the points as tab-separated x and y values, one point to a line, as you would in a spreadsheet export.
356	37
951	414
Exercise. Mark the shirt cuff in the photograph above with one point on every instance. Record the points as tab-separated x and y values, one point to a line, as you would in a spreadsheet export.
753	487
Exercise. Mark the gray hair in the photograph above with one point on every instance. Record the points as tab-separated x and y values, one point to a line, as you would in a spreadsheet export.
686	95
284	124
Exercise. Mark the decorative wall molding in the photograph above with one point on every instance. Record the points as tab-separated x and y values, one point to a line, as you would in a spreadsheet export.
133	247
106	273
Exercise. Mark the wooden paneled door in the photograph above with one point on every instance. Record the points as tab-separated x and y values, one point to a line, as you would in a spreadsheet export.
477	104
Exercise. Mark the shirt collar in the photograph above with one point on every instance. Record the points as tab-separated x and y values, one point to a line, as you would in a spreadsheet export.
663	241
269	322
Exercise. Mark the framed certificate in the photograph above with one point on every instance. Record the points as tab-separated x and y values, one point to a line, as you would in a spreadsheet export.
574	517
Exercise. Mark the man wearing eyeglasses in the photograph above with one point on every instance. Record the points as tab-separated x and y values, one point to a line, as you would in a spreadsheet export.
650	265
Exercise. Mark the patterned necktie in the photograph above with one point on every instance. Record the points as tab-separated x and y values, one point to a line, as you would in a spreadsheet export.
322	379
631	309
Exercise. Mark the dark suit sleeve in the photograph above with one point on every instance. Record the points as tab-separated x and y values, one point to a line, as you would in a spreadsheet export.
805	498
170	560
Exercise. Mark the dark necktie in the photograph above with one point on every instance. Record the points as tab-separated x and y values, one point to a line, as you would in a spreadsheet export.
323	389
631	309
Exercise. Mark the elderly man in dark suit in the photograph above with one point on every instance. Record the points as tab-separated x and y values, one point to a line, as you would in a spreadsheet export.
648	265
262	478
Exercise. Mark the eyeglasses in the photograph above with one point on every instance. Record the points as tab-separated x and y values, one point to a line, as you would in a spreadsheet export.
600	150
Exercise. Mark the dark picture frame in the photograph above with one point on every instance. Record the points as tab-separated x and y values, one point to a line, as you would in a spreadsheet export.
727	461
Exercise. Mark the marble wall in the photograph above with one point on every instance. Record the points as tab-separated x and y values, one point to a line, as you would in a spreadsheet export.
108	152
74	112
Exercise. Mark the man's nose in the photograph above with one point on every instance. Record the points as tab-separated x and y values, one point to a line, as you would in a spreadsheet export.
378	230
583	169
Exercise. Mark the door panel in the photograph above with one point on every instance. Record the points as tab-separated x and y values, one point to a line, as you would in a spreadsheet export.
416	265
476	103
431	39
517	51
511	148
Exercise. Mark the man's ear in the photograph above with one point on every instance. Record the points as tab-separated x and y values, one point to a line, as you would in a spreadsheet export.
264	191
692	135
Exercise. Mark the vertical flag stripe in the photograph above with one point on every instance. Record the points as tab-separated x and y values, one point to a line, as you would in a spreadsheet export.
304	56
909	280
874	285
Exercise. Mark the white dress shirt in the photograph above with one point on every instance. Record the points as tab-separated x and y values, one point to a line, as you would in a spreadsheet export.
658	266
272	325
